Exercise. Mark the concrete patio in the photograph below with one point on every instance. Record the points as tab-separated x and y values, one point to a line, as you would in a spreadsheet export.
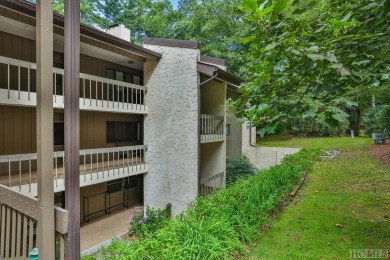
100	230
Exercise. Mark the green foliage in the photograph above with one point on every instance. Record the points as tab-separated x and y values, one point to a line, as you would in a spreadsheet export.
384	118
214	23
237	168
155	219
371	121
318	126
313	57
215	226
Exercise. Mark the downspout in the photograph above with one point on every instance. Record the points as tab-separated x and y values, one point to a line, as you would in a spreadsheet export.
207	80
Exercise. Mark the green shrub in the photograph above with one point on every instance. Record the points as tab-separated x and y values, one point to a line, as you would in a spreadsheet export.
218	225
155	219
238	167
384	118
371	122
318	126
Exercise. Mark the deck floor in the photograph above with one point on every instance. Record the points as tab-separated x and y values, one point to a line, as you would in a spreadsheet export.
104	228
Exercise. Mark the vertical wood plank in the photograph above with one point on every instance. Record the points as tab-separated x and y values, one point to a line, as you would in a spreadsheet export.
25	236
1	130
27	131
34	129
18	130
7	233
7	45
2	230
1	44
13	233
72	126
30	235
18	234
2	67
44	38
8	129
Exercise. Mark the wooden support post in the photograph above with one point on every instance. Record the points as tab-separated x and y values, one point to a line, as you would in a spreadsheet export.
44	38
72	125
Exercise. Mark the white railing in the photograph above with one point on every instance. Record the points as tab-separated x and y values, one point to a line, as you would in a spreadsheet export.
210	184
96	93
19	170
18	225
212	128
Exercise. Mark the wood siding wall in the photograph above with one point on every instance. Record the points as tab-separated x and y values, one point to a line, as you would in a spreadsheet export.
18	129
20	48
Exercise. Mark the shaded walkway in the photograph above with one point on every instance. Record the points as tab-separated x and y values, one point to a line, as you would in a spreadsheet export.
105	228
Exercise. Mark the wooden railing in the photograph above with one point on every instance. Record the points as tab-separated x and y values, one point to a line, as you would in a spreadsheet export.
17	86
210	184
212	128
18	225
19	170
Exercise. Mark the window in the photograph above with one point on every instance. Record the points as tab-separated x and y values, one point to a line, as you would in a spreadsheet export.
59	133
119	131
122	76
227	129
131	182
114	186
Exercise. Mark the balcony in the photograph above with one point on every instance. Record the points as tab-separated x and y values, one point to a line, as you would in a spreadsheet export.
212	128
17	87
19	171
212	183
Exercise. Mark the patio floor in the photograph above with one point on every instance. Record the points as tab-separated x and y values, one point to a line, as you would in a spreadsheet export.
104	228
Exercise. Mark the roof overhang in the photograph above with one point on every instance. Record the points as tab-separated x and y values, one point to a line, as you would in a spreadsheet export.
87	32
213	71
172	43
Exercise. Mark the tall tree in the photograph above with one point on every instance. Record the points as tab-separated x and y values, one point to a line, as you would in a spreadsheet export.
313	58
219	29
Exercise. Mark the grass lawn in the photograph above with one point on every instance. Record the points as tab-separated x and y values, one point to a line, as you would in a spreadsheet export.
326	143
352	189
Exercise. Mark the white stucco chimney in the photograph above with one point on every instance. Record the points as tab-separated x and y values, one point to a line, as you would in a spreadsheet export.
120	31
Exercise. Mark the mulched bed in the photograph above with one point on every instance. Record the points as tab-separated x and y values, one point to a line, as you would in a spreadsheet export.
381	152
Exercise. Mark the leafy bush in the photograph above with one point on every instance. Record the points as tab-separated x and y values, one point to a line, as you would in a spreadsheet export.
384	118
318	127
238	167
155	219
216	226
371	122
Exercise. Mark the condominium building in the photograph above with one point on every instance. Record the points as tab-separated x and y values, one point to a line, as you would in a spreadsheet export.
154	127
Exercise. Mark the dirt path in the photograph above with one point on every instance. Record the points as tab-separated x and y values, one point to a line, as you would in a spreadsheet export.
381	152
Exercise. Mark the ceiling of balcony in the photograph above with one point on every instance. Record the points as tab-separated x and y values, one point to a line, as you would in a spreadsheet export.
28	31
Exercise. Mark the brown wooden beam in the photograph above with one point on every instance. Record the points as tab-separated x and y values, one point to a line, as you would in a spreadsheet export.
72	126
44	38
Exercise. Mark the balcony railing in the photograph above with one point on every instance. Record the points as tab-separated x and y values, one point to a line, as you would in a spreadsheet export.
18	225
212	128
210	184
96	165
17	87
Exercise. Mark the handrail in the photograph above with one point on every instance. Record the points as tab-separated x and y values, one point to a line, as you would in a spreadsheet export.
31	65
96	93
23	224
33	156
212	183
20	170
212	128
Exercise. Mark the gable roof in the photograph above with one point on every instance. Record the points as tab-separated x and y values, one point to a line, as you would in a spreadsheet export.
214	71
